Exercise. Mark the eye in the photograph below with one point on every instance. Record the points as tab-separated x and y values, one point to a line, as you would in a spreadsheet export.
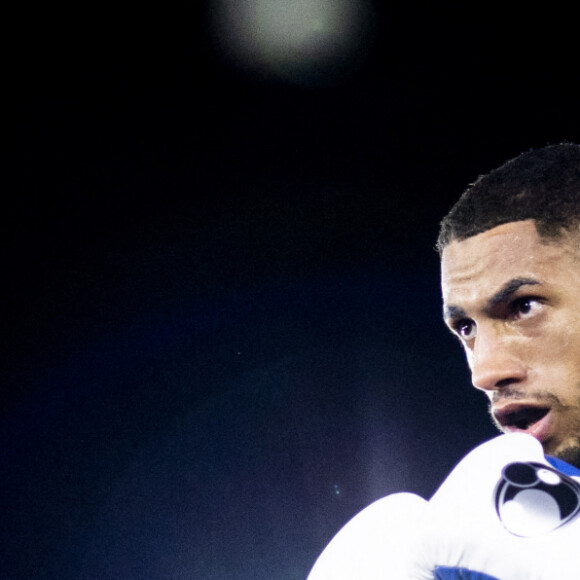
466	329
525	307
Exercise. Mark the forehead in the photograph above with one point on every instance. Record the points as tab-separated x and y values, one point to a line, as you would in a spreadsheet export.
479	265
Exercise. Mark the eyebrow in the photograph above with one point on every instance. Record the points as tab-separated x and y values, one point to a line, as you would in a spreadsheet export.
509	288
501	296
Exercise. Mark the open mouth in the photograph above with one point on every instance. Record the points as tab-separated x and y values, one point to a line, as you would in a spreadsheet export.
519	418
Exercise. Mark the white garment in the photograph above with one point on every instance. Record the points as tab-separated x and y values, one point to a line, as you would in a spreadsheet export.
404	537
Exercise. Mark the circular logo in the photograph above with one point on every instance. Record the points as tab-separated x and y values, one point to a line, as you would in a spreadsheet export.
533	498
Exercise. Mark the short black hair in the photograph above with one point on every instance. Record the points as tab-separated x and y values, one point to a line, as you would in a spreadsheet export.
540	184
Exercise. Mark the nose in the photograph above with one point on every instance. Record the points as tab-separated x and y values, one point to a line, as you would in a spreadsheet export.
493	362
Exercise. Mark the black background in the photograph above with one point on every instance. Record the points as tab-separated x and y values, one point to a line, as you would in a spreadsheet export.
222	330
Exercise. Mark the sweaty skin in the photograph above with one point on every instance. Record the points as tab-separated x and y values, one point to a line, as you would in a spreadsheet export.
513	300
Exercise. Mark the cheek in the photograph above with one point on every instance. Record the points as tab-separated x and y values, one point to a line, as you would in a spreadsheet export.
563	340
558	353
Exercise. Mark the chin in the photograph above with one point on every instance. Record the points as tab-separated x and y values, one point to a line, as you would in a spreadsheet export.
568	452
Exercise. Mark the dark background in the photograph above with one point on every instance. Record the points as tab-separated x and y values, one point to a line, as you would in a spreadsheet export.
221	310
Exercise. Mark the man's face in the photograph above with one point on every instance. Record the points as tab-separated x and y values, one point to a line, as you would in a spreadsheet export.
513	300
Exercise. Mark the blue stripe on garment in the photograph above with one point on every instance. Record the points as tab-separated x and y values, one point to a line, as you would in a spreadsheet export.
446	573
562	466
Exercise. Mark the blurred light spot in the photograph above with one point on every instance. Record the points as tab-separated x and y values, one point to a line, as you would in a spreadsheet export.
311	42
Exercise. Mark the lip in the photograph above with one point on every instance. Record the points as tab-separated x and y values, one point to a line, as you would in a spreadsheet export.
540	419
